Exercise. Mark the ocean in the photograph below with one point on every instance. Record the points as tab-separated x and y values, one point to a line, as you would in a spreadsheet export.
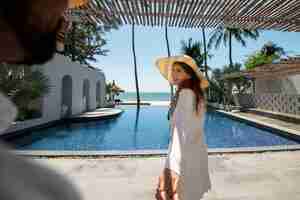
145	96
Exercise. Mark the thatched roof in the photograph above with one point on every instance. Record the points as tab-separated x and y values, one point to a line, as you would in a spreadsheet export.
282	15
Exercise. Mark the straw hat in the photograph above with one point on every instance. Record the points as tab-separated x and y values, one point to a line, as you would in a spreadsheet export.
165	67
77	3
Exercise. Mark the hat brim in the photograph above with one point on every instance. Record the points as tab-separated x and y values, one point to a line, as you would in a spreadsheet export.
165	64
76	3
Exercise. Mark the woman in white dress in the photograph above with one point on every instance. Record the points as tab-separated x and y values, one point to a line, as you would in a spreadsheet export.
185	175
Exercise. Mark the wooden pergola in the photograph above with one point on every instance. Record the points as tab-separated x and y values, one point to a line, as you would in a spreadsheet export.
281	15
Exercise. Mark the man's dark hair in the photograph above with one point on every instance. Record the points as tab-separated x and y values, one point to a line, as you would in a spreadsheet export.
39	46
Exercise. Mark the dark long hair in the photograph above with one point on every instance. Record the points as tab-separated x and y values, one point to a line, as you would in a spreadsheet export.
192	83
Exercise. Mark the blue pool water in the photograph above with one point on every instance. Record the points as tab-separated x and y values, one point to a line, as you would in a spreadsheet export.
147	129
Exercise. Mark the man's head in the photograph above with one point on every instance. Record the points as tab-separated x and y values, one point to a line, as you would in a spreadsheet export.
28	30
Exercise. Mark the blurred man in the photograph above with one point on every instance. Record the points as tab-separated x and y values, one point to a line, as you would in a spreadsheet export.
28	29
28	36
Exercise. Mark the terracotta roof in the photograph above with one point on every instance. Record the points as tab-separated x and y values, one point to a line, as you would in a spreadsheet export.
285	67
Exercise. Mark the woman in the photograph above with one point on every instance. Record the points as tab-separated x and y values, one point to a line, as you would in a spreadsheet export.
185	175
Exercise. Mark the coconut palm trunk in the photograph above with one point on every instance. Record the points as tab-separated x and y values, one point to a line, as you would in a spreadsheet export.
205	58
205	52
135	67
74	25
169	54
230	49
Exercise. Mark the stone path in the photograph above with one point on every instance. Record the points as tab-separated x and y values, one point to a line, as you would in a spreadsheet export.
256	176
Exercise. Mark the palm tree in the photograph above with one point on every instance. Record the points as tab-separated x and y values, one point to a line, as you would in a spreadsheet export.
135	68
193	49
227	34
271	48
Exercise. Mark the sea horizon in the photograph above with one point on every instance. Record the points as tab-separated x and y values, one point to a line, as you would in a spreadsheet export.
145	96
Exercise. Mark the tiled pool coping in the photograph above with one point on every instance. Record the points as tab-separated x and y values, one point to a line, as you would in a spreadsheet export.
152	152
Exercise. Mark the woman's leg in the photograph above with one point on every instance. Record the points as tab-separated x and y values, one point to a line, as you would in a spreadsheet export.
167	185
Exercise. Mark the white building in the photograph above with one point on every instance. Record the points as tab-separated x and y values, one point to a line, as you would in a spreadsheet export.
276	87
75	89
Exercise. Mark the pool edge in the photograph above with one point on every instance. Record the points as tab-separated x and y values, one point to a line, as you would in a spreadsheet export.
147	153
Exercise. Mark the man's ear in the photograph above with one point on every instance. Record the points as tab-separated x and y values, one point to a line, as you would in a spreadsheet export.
39	16
45	14
11	50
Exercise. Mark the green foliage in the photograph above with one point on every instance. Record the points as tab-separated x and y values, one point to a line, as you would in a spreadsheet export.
23	86
268	53
194	49
227	34
259	58
218	82
227	69
85	41
271	48
222	34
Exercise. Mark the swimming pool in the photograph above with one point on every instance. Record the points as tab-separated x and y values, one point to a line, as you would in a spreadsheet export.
144	130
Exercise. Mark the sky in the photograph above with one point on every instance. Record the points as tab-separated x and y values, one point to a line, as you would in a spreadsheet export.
150	45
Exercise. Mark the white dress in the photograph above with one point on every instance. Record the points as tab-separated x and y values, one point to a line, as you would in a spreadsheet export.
187	152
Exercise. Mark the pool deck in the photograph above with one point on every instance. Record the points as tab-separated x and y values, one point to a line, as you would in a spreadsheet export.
99	113
255	176
293	129
150	103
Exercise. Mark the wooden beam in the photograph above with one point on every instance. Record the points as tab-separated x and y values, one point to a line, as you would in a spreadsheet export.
212	10
172	10
197	9
175	14
203	10
119	10
184	11
137	11
127	10
191	11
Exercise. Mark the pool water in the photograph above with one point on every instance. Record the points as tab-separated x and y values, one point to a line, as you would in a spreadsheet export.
146	129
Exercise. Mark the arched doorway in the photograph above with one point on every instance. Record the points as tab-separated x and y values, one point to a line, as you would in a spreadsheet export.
66	94
86	95
98	94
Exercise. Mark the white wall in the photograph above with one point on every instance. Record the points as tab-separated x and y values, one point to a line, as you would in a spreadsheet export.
56	69
287	85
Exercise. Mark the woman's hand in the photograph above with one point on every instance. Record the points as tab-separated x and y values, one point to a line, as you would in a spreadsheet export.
167	185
